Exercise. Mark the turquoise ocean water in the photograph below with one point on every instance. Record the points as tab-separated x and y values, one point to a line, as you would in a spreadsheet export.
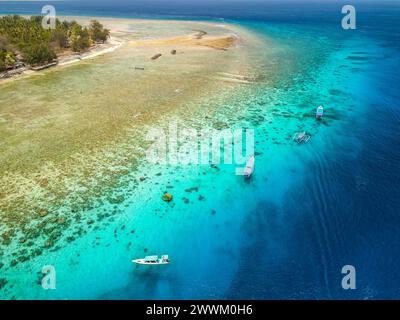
308	211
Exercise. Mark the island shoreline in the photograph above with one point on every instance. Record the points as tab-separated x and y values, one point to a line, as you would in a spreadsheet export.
113	43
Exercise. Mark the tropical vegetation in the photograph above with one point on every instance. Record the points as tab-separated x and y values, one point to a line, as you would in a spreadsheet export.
26	40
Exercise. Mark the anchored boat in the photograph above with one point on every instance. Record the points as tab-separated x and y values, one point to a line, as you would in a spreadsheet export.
320	112
152	260
248	171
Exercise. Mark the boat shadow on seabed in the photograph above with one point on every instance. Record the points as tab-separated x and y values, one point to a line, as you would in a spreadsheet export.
146	283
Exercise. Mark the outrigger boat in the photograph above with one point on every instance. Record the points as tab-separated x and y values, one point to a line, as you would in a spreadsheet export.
152	260
301	137
248	171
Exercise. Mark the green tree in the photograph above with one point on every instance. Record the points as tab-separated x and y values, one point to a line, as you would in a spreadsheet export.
60	38
97	32
40	53
80	38
2	59
10	59
7	59
27	36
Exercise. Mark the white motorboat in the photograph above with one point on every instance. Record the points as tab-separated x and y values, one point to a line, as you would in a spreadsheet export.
248	171
320	112
152	260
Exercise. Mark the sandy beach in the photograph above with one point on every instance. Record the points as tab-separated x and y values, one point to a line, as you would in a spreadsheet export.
148	34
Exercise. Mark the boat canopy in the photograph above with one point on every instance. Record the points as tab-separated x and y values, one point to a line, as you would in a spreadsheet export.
151	258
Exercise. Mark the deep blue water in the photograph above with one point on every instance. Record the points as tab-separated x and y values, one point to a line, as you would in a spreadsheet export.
346	208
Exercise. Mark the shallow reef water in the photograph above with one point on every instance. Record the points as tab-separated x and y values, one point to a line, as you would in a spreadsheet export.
308	210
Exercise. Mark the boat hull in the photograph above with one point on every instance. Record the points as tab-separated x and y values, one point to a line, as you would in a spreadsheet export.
143	262
248	171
